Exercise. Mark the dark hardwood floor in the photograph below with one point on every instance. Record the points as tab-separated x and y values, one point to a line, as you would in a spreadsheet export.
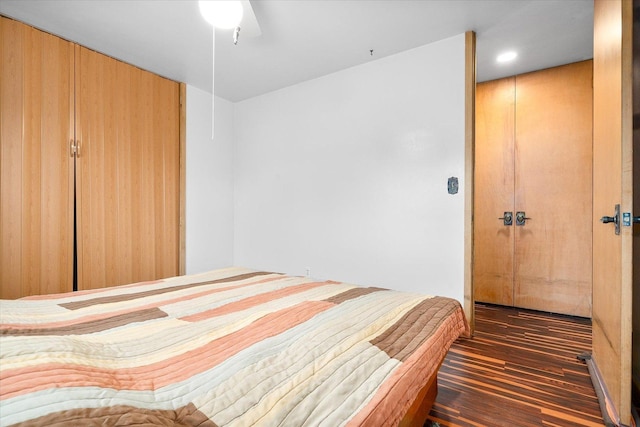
520	369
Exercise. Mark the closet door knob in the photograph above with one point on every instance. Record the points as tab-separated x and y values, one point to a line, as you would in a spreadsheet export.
521	218
507	218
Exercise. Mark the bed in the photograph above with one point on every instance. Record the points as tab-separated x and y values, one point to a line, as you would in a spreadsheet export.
230	347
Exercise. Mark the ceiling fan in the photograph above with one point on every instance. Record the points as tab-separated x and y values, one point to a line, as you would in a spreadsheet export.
224	15
231	14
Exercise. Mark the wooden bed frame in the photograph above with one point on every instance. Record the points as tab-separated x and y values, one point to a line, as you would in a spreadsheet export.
417	414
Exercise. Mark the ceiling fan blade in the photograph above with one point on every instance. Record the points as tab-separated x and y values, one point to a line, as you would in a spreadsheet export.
249	23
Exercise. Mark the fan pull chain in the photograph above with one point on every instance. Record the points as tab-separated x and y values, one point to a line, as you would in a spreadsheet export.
213	82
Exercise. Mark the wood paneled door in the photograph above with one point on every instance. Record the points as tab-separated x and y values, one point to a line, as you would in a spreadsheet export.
117	197
613	169
494	191
36	177
533	155
127	127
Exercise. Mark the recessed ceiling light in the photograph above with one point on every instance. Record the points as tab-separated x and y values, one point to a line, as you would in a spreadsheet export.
507	56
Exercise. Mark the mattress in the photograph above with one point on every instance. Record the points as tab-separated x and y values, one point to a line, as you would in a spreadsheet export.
230	347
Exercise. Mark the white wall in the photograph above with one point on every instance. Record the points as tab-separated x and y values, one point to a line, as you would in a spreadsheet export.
347	174
209	176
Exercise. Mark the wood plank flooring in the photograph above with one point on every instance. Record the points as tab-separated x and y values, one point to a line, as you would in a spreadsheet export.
520	369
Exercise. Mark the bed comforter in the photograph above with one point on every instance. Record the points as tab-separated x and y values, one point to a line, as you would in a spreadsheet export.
231	347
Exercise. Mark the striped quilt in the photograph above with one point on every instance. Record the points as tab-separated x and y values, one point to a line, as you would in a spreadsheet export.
231	347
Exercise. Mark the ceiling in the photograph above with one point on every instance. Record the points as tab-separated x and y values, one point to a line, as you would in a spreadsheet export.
305	39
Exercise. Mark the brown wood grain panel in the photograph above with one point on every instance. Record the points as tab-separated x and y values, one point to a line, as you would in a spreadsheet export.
56	221
36	182
127	123
145	207
520	369
183	179
553	175
159	178
494	191
168	108
173	187
635	342
137	133
78	165
31	159
11	106
613	167
149	216
130	129
124	110
90	98
136	161
627	205
109	164
469	167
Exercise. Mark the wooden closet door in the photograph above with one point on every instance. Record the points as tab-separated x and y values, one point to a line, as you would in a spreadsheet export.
494	189
553	185
533	155
36	171
127	123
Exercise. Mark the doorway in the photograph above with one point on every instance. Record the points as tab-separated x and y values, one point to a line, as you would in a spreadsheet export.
532	204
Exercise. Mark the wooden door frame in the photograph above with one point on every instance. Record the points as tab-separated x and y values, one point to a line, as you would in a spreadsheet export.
635	341
469	161
182	236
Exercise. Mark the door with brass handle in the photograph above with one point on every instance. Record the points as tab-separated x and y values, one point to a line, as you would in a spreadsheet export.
521	218
507	218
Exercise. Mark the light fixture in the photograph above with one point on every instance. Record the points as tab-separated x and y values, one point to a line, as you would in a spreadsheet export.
223	14
507	56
